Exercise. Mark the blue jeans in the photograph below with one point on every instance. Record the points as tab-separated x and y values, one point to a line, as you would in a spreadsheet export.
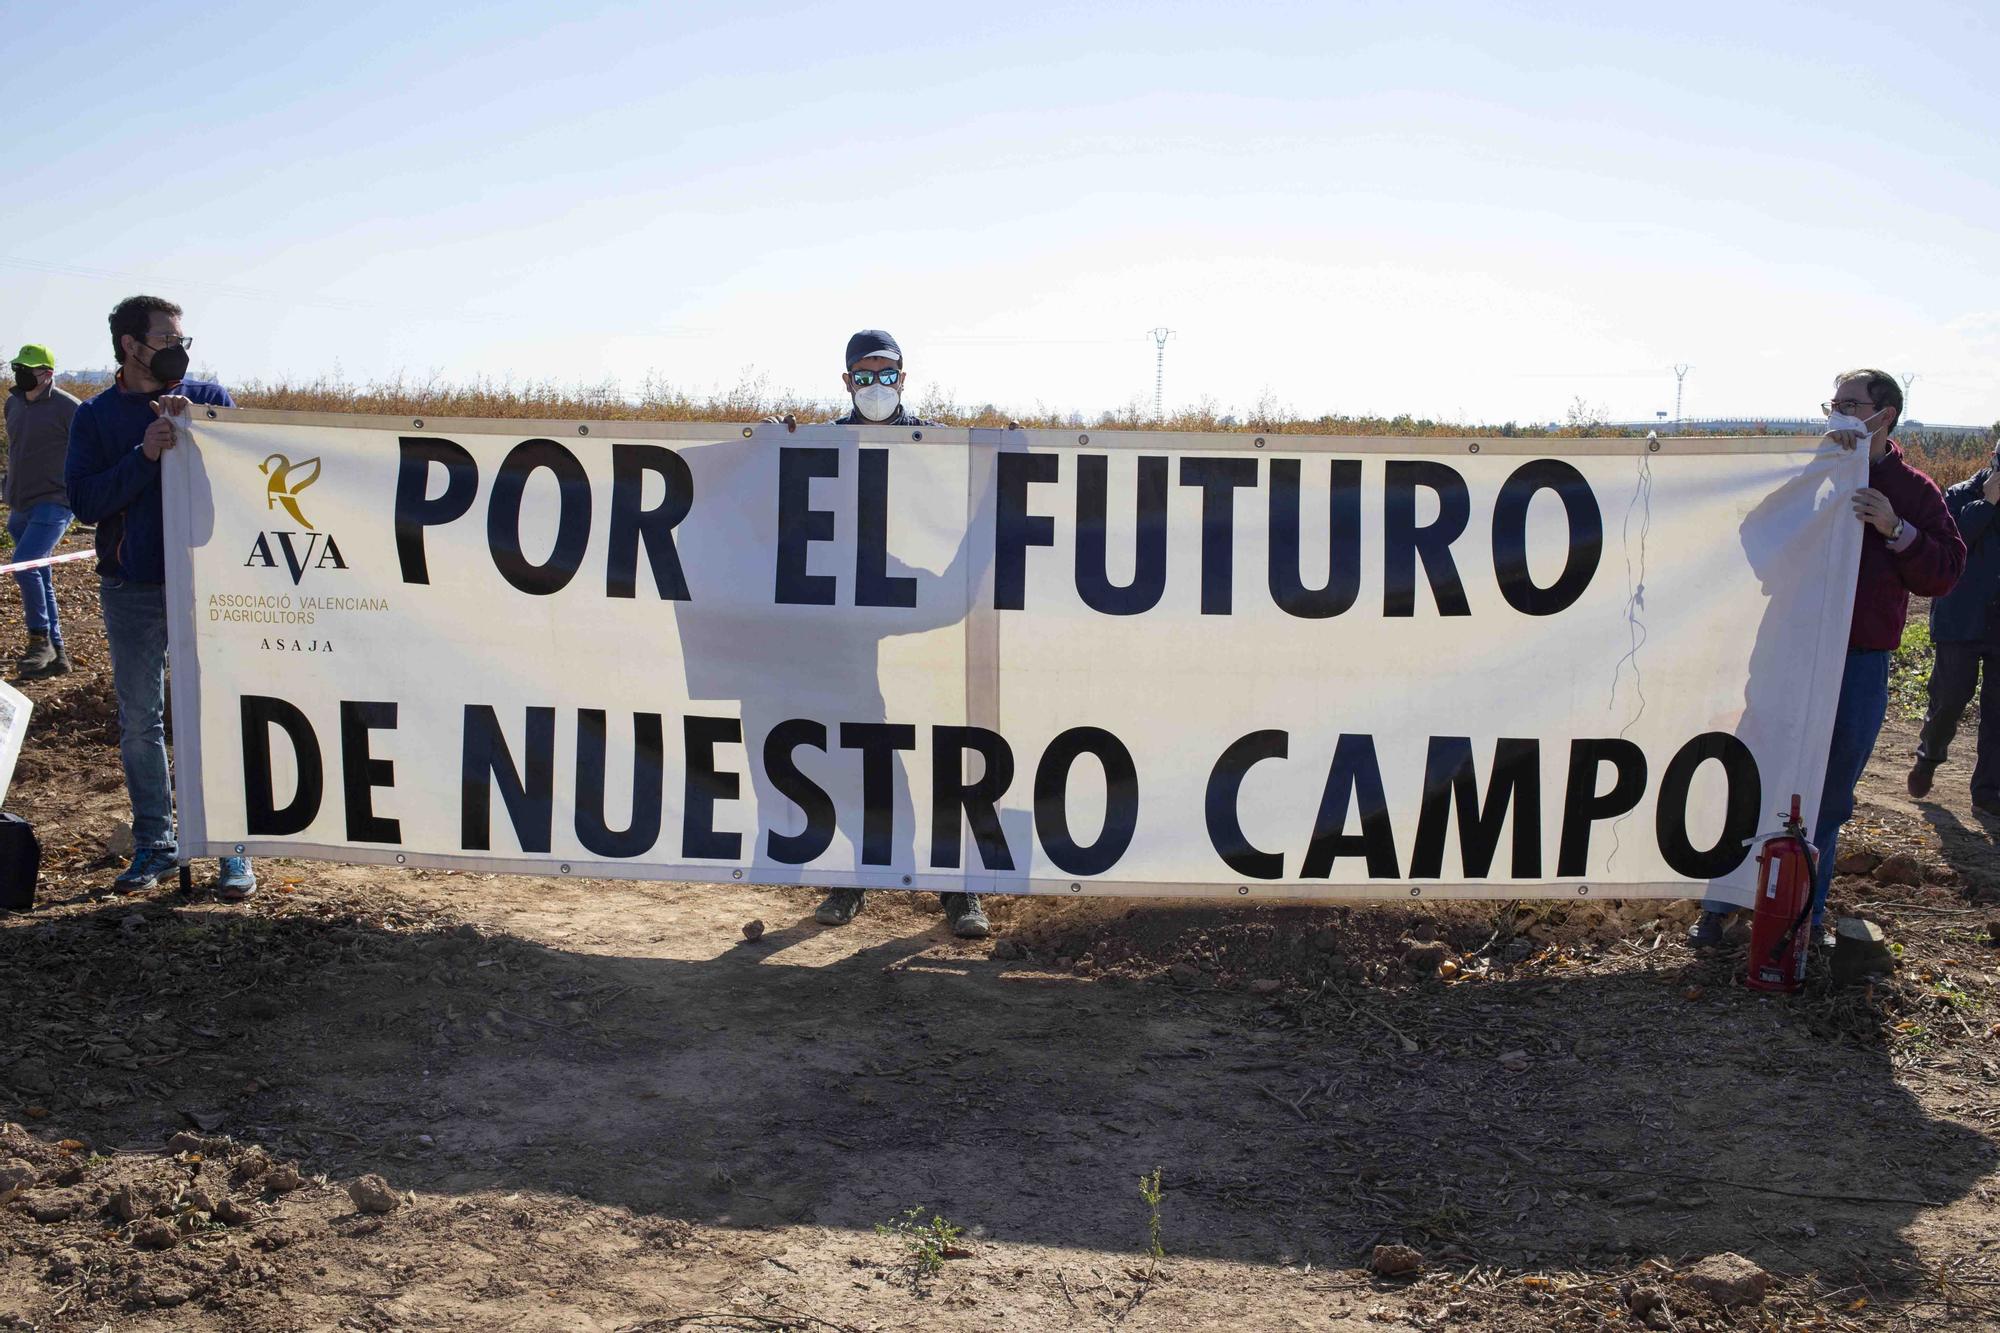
36	530
135	621
1857	721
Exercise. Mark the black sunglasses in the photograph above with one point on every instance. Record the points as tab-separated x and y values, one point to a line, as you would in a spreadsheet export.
864	378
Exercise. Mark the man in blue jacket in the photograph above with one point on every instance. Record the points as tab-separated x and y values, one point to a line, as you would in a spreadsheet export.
1965	632
113	474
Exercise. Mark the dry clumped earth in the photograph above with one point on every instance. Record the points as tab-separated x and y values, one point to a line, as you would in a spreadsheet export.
369	1100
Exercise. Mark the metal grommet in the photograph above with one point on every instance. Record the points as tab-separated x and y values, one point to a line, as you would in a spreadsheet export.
907	881
916	435
239	849
418	422
1472	448
1582	889
583	430
565	867
1260	442
1416	890
401	859
1243	889
1083	439
1652	446
1076	888
748	431
211	414
736	874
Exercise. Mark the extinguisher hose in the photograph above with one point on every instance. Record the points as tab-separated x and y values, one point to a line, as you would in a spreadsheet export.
1784	943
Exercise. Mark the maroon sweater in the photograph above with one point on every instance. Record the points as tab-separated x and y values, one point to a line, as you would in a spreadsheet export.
1927	566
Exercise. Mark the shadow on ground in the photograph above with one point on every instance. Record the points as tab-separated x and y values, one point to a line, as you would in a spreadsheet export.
749	1090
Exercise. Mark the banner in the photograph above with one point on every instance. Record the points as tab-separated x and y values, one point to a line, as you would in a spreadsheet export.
1005	661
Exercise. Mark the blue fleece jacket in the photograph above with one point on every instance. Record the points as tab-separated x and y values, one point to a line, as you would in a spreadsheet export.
112	484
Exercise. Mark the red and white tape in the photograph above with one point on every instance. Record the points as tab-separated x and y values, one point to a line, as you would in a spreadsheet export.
49	560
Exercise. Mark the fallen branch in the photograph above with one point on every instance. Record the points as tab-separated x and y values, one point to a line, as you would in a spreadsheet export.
1293	1107
556	1027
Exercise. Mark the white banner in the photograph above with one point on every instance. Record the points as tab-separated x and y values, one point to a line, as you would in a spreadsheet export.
1005	661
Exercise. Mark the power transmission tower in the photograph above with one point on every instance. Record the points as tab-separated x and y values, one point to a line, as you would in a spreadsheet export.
1907	380
1680	383
1160	337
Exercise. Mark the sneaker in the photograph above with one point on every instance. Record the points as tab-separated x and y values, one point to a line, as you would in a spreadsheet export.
148	865
841	906
1920	779
967	917
36	658
1706	933
235	880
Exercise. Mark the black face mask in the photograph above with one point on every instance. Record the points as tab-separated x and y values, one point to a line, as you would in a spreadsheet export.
169	365
25	379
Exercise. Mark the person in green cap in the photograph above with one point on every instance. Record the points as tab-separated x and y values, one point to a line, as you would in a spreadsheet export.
38	515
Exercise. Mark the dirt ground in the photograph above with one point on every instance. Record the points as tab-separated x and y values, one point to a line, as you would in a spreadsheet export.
597	1106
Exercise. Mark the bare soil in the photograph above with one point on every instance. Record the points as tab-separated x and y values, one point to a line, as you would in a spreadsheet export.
598	1106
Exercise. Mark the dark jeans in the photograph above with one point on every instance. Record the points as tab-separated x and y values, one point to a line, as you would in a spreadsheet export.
1857	721
1955	677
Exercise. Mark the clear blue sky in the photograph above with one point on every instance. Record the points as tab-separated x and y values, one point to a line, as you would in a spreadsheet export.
1477	211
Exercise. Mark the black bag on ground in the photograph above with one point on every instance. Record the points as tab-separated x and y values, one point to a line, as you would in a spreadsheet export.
20	864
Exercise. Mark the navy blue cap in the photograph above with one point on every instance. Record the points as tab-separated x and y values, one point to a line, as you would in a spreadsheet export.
872	342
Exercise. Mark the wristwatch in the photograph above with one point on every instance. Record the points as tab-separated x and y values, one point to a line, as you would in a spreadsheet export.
1897	535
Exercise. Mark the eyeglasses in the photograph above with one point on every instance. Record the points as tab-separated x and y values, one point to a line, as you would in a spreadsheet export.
1851	406
864	378
172	340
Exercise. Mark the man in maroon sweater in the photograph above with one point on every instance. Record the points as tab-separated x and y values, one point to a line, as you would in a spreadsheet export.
1911	546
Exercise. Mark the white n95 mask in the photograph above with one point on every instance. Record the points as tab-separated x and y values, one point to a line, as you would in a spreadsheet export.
1841	421
877	402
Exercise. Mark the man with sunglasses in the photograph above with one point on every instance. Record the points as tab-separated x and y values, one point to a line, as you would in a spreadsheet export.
113	472
1965	632
874	379
1909	545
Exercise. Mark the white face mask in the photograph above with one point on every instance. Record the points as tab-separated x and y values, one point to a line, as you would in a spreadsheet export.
1842	421
877	402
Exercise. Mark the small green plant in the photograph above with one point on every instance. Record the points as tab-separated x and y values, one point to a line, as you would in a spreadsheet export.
1952	995
926	1244
1910	668
1151	1191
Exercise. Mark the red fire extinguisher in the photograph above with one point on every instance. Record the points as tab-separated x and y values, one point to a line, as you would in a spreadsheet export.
1778	933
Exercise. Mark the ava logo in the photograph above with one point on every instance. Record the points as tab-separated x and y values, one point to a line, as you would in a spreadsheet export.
311	549
287	480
